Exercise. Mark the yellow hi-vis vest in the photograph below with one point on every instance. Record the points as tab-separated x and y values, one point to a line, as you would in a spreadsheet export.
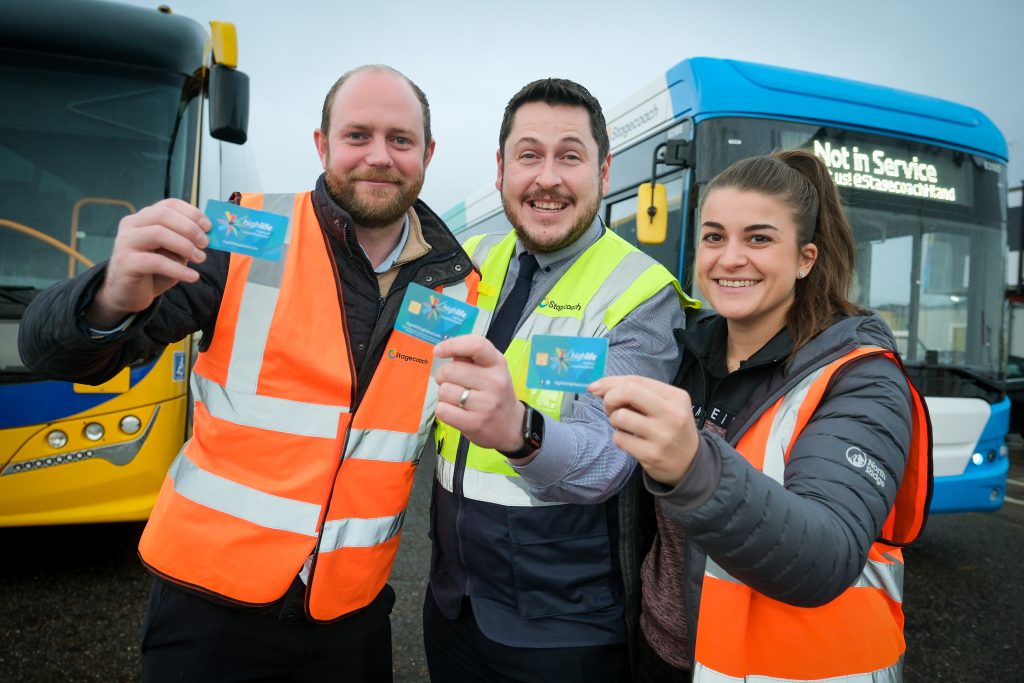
743	635
281	466
605	283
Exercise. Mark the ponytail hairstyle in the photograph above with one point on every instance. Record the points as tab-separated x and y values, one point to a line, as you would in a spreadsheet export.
801	180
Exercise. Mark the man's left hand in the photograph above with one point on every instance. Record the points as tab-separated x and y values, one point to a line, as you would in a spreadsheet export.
476	393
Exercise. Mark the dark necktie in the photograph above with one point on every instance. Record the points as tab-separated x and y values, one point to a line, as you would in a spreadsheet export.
504	323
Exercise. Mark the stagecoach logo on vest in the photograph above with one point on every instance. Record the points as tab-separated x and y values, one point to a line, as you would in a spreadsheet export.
555	306
393	354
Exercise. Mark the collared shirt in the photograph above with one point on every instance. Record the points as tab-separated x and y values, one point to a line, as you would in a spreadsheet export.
577	461
411	247
390	259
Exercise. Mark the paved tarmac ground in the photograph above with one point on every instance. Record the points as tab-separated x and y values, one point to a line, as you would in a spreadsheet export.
72	598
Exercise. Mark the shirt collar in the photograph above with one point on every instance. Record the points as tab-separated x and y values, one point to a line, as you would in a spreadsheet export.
582	243
386	264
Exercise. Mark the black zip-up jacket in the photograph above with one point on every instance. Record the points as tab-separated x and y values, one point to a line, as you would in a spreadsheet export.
55	341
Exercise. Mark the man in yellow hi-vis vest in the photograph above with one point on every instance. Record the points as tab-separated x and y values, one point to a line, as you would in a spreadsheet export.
532	505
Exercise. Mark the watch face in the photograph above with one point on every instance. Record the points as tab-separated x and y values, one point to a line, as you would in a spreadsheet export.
534	432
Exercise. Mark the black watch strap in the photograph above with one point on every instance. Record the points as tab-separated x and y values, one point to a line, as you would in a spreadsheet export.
532	431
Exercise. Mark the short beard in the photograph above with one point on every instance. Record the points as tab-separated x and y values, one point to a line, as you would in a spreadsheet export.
373	214
587	215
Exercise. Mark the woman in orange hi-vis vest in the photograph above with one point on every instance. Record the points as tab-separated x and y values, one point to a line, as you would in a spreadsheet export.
790	462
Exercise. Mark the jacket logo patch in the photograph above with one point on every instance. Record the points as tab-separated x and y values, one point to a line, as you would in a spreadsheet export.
398	355
856	456
860	460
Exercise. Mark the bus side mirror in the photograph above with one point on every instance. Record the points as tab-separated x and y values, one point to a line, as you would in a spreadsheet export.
229	104
651	214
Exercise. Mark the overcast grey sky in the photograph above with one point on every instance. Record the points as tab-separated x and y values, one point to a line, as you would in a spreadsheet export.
471	57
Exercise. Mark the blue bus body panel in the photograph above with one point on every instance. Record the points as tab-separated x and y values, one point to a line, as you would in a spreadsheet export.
705	88
980	488
49	401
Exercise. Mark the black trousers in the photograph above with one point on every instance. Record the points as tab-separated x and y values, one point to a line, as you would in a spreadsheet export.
457	652
189	638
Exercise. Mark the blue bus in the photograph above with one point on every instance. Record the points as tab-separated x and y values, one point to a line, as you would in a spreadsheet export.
925	186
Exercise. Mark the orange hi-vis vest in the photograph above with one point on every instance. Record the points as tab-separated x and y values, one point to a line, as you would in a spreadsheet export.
279	469
743	635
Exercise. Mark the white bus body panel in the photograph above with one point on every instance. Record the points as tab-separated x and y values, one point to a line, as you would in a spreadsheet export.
957	424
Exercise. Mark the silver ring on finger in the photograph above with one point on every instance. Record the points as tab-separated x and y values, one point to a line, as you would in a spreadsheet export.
464	397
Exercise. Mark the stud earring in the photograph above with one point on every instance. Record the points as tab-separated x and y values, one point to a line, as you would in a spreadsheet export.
801	275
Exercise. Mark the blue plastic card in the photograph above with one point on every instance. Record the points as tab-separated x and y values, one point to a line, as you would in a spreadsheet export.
246	231
566	363
434	317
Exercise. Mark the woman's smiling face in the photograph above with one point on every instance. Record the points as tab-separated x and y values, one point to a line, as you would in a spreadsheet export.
749	259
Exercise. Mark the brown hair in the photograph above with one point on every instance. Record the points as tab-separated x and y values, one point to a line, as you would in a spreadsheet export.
552	92
802	181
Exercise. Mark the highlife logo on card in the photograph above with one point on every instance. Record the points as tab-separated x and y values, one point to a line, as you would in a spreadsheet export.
233	225
563	357
435	307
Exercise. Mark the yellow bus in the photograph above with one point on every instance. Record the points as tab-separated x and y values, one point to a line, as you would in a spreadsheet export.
106	108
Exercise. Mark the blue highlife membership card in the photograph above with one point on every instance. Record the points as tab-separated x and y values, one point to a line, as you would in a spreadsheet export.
565	363
434	317
246	231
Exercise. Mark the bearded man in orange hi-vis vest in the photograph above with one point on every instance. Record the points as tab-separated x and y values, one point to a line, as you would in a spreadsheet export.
791	460
277	525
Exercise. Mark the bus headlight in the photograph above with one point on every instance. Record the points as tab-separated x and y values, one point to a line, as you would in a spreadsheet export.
94	431
57	439
978	458
130	424
991	455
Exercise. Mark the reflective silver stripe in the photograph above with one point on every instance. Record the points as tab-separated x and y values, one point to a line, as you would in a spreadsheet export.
566	326
251	330
484	246
488	487
591	322
890	674
444	472
384	446
632	266
259	299
483	322
781	433
265	412
714	570
355	532
458	291
238	500
884	577
389	446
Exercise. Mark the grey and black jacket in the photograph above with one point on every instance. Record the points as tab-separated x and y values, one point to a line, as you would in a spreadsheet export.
806	541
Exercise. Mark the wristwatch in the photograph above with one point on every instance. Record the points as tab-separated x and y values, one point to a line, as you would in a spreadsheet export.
533	433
